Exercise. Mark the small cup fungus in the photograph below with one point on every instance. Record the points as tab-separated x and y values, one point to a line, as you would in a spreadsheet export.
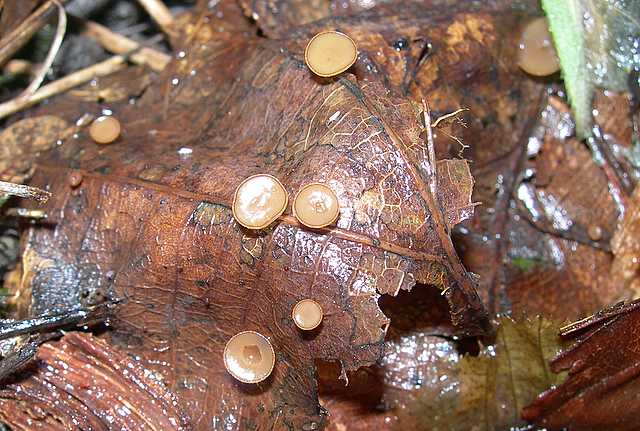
536	54
104	129
259	201
75	179
307	314
316	206
249	357
330	53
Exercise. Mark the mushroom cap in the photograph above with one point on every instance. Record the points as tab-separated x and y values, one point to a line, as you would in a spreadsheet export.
316	206
105	129
330	53
259	200
536	54
249	357
307	314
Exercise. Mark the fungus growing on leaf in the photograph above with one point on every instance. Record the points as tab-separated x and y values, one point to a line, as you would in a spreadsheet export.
105	129
75	179
316	206
307	314
249	357
536	54
330	53
259	200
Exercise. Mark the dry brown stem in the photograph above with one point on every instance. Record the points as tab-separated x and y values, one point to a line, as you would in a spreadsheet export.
160	14
15	40
119	44
61	85
61	29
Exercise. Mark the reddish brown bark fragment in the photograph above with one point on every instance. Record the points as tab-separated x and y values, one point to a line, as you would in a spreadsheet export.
82	383
601	391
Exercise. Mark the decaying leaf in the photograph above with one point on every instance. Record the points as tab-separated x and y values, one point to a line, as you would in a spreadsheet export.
146	220
626	249
130	82
547	229
149	223
601	390
487	392
21	142
418	353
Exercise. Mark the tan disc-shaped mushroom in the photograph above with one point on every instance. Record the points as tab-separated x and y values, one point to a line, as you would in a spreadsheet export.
330	53
536	54
259	201
316	206
104	129
307	314
249	357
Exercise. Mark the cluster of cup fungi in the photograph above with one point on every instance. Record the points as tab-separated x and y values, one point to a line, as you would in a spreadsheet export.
261	199
258	202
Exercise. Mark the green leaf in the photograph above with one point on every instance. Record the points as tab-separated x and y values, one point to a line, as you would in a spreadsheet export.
597	43
566	25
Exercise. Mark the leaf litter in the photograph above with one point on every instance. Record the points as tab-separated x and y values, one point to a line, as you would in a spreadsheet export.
148	219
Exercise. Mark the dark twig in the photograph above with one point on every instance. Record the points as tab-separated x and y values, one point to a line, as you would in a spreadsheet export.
52	322
23	355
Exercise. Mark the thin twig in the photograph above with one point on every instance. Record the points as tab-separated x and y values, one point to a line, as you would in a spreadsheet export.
11	43
26	213
119	44
431	152
160	14
23	191
61	29
18	67
47	323
107	67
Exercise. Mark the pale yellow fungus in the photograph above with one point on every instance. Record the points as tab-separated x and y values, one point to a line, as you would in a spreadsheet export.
259	201
330	53
249	357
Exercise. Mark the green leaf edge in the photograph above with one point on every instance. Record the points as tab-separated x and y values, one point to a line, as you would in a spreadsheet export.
566	25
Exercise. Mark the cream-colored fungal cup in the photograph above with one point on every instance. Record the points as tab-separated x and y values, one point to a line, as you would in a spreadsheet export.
104	129
307	314
259	201
316	206
330	53
536	54
249	357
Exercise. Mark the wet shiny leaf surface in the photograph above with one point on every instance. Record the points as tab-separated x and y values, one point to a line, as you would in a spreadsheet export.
601	389
545	222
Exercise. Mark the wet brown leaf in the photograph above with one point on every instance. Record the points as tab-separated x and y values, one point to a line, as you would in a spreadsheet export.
22	141
601	389
557	218
487	392
415	355
130	82
150	222
13	13
626	249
